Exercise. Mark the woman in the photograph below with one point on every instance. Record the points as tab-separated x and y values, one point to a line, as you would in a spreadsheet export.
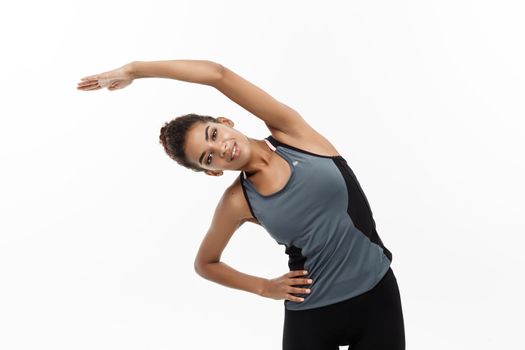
340	289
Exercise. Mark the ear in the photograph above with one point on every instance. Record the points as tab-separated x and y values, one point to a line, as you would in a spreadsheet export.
213	173
226	121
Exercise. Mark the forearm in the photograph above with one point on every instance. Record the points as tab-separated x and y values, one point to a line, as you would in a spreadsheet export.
194	71
227	276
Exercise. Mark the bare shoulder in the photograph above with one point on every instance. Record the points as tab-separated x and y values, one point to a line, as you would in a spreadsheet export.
305	137
231	212
237	201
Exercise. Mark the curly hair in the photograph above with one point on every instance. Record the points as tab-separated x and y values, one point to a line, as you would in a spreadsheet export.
173	137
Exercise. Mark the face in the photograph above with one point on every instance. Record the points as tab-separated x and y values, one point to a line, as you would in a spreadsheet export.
210	146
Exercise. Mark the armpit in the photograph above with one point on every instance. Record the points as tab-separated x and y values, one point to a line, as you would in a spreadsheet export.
254	220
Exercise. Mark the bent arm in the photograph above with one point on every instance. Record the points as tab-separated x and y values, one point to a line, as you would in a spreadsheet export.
193	71
222	273
230	214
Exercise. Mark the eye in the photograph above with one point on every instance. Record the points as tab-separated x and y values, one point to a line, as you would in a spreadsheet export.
213	137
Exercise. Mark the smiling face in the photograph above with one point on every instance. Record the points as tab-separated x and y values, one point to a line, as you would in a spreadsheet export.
210	146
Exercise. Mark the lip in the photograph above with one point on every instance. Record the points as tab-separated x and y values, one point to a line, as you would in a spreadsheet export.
232	154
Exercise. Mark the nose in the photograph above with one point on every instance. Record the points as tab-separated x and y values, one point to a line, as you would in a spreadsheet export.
222	149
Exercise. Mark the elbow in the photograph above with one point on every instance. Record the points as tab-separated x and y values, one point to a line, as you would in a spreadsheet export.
197	268
218	73
220	70
201	267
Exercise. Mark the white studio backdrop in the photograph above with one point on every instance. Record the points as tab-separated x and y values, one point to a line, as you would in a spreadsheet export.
99	228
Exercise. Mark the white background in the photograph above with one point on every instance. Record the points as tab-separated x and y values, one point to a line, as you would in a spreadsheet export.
99	227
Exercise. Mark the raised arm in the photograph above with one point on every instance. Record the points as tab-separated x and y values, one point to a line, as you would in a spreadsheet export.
193	71
275	114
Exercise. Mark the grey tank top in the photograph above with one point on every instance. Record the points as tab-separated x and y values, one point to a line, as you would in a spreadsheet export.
325	222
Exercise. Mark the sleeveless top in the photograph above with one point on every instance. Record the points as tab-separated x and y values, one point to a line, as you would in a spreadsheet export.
325	222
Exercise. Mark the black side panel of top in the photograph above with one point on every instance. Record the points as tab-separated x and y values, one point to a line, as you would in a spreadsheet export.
358	206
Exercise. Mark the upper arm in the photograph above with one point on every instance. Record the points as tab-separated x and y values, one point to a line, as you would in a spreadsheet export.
229	215
274	113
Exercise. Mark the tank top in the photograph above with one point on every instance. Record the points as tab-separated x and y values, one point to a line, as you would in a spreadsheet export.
323	219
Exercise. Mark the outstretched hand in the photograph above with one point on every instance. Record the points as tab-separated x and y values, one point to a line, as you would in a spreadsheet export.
114	79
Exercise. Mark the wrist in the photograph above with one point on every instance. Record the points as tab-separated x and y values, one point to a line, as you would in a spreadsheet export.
131	69
262	287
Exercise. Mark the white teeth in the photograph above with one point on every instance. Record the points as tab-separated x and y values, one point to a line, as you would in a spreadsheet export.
233	152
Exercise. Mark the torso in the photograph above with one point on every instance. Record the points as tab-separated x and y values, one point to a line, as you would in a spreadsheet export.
275	176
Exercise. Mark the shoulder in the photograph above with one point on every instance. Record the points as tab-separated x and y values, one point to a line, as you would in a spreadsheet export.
305	137
235	200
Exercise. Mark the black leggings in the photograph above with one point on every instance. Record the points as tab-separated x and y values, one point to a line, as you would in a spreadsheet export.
370	321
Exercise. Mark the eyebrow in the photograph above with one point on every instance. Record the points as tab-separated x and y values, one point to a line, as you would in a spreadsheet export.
206	138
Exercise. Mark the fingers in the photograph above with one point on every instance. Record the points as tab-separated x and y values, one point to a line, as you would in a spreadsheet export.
89	82
91	77
298	281
89	87
99	75
86	82
281	287
297	273
294	280
114	85
301	291
98	84
293	298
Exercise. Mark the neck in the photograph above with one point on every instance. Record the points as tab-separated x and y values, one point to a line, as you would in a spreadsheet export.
260	158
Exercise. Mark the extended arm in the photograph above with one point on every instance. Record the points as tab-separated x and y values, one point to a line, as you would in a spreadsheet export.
276	115
255	100
193	71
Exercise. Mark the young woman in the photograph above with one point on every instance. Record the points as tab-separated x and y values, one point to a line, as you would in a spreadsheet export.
340	289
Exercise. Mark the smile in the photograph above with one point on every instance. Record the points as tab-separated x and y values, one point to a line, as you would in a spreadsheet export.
235	152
